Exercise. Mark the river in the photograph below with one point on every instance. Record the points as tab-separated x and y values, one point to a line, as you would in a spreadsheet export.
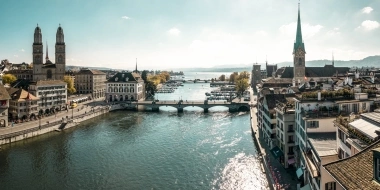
139	150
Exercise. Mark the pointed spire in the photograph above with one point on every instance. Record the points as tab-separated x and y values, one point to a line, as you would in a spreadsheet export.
136	66
299	42
47	52
266	59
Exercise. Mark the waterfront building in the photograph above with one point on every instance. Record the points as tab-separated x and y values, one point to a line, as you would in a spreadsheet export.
285	130
4	105
90	81
360	171
355	133
52	95
49	70
22	105
125	86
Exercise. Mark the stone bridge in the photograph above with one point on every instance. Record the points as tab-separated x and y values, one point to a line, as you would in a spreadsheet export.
205	105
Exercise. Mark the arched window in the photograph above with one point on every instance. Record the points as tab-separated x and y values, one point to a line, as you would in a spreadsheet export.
132	90
49	74
121	89
110	89
125	89
126	97
115	89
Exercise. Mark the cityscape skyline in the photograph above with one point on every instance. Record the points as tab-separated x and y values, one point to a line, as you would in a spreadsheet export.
191	34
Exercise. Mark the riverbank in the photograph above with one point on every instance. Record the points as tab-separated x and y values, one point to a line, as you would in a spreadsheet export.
61	121
278	177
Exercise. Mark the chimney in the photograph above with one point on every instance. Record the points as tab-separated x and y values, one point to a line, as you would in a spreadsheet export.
294	82
319	95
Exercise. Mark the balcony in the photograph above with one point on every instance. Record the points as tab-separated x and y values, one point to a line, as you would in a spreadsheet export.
311	167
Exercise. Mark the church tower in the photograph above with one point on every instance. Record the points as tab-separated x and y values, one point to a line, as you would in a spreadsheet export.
37	55
60	54
299	52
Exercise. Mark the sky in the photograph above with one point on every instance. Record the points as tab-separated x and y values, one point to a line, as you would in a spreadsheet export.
189	33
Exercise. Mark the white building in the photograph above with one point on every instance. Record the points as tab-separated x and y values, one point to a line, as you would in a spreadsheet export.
52	95
125	86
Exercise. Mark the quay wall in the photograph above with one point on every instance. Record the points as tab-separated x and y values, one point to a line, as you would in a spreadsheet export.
260	152
50	127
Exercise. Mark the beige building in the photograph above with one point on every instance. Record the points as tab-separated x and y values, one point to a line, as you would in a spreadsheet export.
4	105
88	81
26	74
125	86
52	95
22	105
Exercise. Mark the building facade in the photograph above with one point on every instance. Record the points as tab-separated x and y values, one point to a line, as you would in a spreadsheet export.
89	81
4	105
255	77
23	105
49	70
125	86
52	95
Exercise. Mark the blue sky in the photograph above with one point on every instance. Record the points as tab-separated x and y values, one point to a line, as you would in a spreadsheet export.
189	33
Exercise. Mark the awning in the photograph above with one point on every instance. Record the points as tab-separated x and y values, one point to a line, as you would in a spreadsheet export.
276	152
306	187
299	172
291	161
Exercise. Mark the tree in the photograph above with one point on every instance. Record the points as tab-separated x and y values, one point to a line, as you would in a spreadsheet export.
241	85
165	75
70	84
233	77
222	77
212	80
144	76
150	87
244	75
9	78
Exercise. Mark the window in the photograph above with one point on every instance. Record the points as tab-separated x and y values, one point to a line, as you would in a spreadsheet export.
330	186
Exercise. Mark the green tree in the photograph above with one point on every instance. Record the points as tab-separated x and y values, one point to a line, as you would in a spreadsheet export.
222	77
241	85
243	75
9	78
144	76
150	87
233	77
70	84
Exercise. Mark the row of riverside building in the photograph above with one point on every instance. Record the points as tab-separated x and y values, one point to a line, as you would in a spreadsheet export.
40	89
322	121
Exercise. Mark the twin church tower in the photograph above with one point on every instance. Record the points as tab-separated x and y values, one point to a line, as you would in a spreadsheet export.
49	70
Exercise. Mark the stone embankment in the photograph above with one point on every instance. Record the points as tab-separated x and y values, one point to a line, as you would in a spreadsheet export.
37	129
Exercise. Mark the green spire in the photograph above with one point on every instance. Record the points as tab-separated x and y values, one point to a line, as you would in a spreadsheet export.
299	42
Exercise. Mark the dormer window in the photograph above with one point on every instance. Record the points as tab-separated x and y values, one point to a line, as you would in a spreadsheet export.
126	79
122	75
376	164
116	79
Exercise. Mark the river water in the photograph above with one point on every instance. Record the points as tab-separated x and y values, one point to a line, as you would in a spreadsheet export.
139	150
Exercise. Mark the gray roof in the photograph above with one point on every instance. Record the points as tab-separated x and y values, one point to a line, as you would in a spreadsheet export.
324	143
4	93
326	71
90	72
123	77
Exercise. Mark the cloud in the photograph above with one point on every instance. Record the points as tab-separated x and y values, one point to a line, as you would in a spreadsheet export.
367	10
333	32
369	25
125	17
308	30
15	55
174	31
261	33
22	50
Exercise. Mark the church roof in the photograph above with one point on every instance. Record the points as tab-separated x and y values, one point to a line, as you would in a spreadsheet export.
326	71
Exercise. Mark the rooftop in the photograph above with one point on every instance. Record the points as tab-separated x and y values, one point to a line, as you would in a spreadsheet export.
349	175
324	143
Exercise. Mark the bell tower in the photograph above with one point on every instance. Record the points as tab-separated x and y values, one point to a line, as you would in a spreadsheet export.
60	54
299	52
37	55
